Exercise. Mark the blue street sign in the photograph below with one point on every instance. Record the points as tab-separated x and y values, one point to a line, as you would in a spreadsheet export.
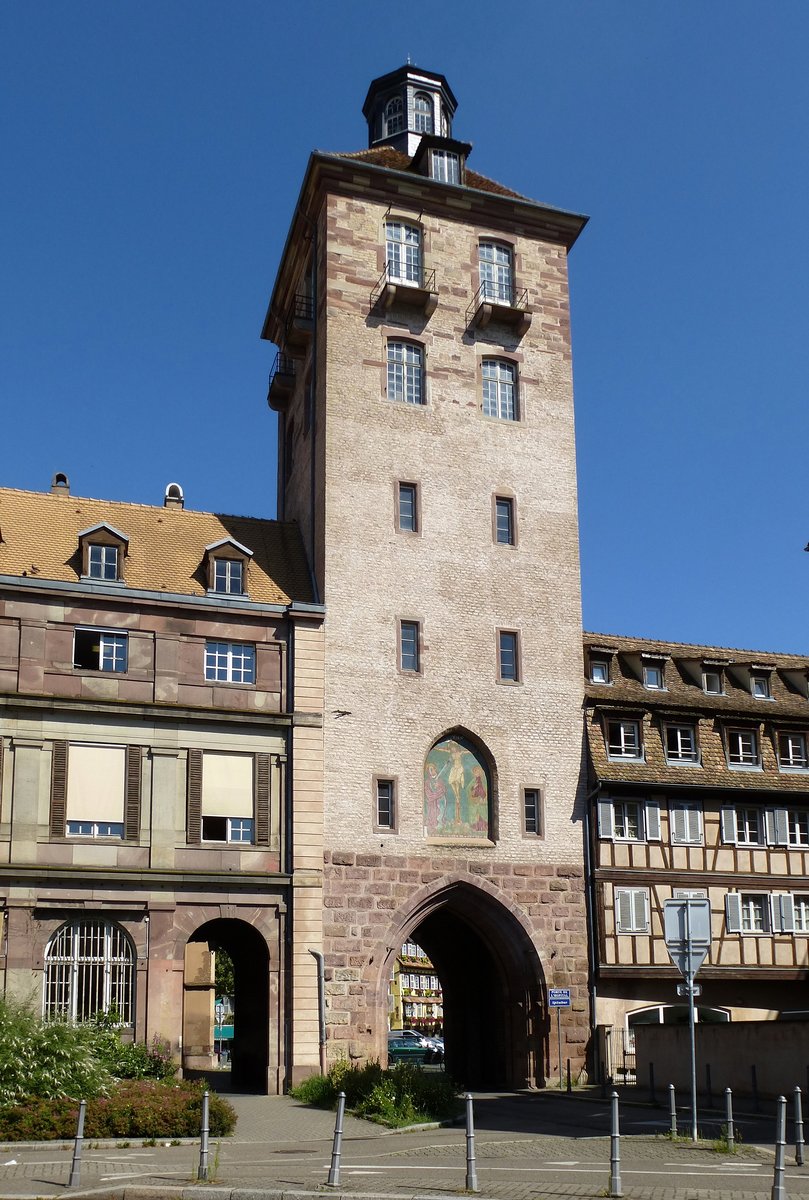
559	997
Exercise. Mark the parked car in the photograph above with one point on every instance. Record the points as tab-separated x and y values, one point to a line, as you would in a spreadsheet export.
433	1047
402	1049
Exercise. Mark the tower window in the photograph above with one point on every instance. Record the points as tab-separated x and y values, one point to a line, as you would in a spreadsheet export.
408	514
499	389
423	113
496	275
405	372
385	804
409	656
394	116
504	520
403	252
532	811
508	657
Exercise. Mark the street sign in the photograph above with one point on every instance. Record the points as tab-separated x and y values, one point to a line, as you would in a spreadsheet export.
558	997
688	953
682	989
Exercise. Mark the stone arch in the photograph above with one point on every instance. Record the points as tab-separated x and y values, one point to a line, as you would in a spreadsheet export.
459	783
484	950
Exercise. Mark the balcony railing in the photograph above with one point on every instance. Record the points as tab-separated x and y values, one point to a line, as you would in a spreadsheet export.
500	302
391	290
299	325
281	382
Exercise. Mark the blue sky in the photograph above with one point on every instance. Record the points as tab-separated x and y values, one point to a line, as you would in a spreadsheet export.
152	155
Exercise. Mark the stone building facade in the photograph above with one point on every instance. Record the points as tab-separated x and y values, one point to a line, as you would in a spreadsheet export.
426	451
161	695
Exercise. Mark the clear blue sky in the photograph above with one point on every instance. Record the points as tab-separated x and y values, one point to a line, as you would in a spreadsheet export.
152	153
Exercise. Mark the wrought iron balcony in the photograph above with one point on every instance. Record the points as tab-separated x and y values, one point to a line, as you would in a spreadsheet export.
391	290
499	302
282	381
299	326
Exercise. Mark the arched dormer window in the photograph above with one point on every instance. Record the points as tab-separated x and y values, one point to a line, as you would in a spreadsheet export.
457	791
423	113
103	549
394	116
227	562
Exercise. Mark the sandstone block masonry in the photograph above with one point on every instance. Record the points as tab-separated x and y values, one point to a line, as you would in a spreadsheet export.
369	899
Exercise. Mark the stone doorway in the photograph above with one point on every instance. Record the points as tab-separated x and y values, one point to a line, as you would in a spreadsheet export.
250	1053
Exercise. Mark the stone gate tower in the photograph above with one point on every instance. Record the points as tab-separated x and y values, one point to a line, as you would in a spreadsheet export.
426	449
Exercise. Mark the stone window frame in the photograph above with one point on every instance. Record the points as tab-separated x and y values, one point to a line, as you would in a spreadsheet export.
537	804
397	507
393	825
415	623
515	679
503	497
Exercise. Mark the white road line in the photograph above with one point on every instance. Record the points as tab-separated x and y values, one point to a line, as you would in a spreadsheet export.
140	1175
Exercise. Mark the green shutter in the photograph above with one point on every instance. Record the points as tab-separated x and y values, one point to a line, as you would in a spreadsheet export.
58	789
262	799
132	799
194	815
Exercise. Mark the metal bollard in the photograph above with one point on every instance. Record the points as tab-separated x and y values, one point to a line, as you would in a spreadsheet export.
569	1083
75	1166
471	1172
652	1096
778	1192
754	1083
337	1144
615	1148
731	1136
672	1111
798	1128
708	1087
202	1169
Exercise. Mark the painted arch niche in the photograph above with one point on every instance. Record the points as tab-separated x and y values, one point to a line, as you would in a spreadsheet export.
457	790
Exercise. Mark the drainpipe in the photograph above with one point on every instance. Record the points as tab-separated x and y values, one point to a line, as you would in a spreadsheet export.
321	1007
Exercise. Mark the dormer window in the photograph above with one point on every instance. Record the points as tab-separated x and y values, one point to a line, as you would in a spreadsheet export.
227	567
712	681
103	549
653	676
760	685
445	166
599	670
423	113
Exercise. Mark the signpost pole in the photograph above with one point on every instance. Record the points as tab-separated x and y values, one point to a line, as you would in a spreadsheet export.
690	985
559	1042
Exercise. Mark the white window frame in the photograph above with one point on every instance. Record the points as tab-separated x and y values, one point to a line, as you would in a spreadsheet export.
681	753
499	389
798	827
709	674
228	576
624	748
654	677
95	829
496	267
755	912
615	813
751	827
239	831
423	115
405	372
796	757
627	817
113	650
599	666
230	662
103	561
393	116
631	910
760	686
403	253
445	166
800	902
741	757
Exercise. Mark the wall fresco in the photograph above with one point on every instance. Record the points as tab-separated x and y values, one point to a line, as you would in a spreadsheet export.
456	791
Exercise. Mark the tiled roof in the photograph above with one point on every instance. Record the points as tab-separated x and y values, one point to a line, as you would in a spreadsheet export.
684	699
395	160
39	538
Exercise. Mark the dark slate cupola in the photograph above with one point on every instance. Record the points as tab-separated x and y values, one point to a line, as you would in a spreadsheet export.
405	105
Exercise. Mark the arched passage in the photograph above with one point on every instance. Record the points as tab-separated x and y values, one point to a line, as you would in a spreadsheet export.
492	980
250	1054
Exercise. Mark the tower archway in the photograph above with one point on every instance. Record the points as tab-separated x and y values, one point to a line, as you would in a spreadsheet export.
495	1025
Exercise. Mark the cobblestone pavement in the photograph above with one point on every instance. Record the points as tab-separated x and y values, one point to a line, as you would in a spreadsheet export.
527	1146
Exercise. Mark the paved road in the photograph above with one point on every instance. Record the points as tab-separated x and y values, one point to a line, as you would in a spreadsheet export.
526	1145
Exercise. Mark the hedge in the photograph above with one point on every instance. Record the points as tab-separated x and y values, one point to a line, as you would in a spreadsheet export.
136	1109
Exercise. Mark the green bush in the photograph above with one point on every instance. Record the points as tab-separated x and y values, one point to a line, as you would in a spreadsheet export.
402	1095
47	1059
136	1109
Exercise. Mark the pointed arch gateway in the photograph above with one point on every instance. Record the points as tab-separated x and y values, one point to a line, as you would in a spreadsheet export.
495	1026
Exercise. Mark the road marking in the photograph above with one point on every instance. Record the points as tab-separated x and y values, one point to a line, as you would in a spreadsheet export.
141	1174
562	1162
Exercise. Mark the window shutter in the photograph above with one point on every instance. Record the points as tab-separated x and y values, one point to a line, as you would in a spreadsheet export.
693	817
733	912
653	820
781	822
783	913
262	798
623	911
606	826
679	817
58	789
132	798
640	908
194	814
729	825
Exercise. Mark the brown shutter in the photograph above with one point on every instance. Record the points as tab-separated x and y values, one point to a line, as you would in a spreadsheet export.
262	799
194	818
58	789
132	801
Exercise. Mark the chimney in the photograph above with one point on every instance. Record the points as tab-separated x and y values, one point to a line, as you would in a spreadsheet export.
60	485
174	496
